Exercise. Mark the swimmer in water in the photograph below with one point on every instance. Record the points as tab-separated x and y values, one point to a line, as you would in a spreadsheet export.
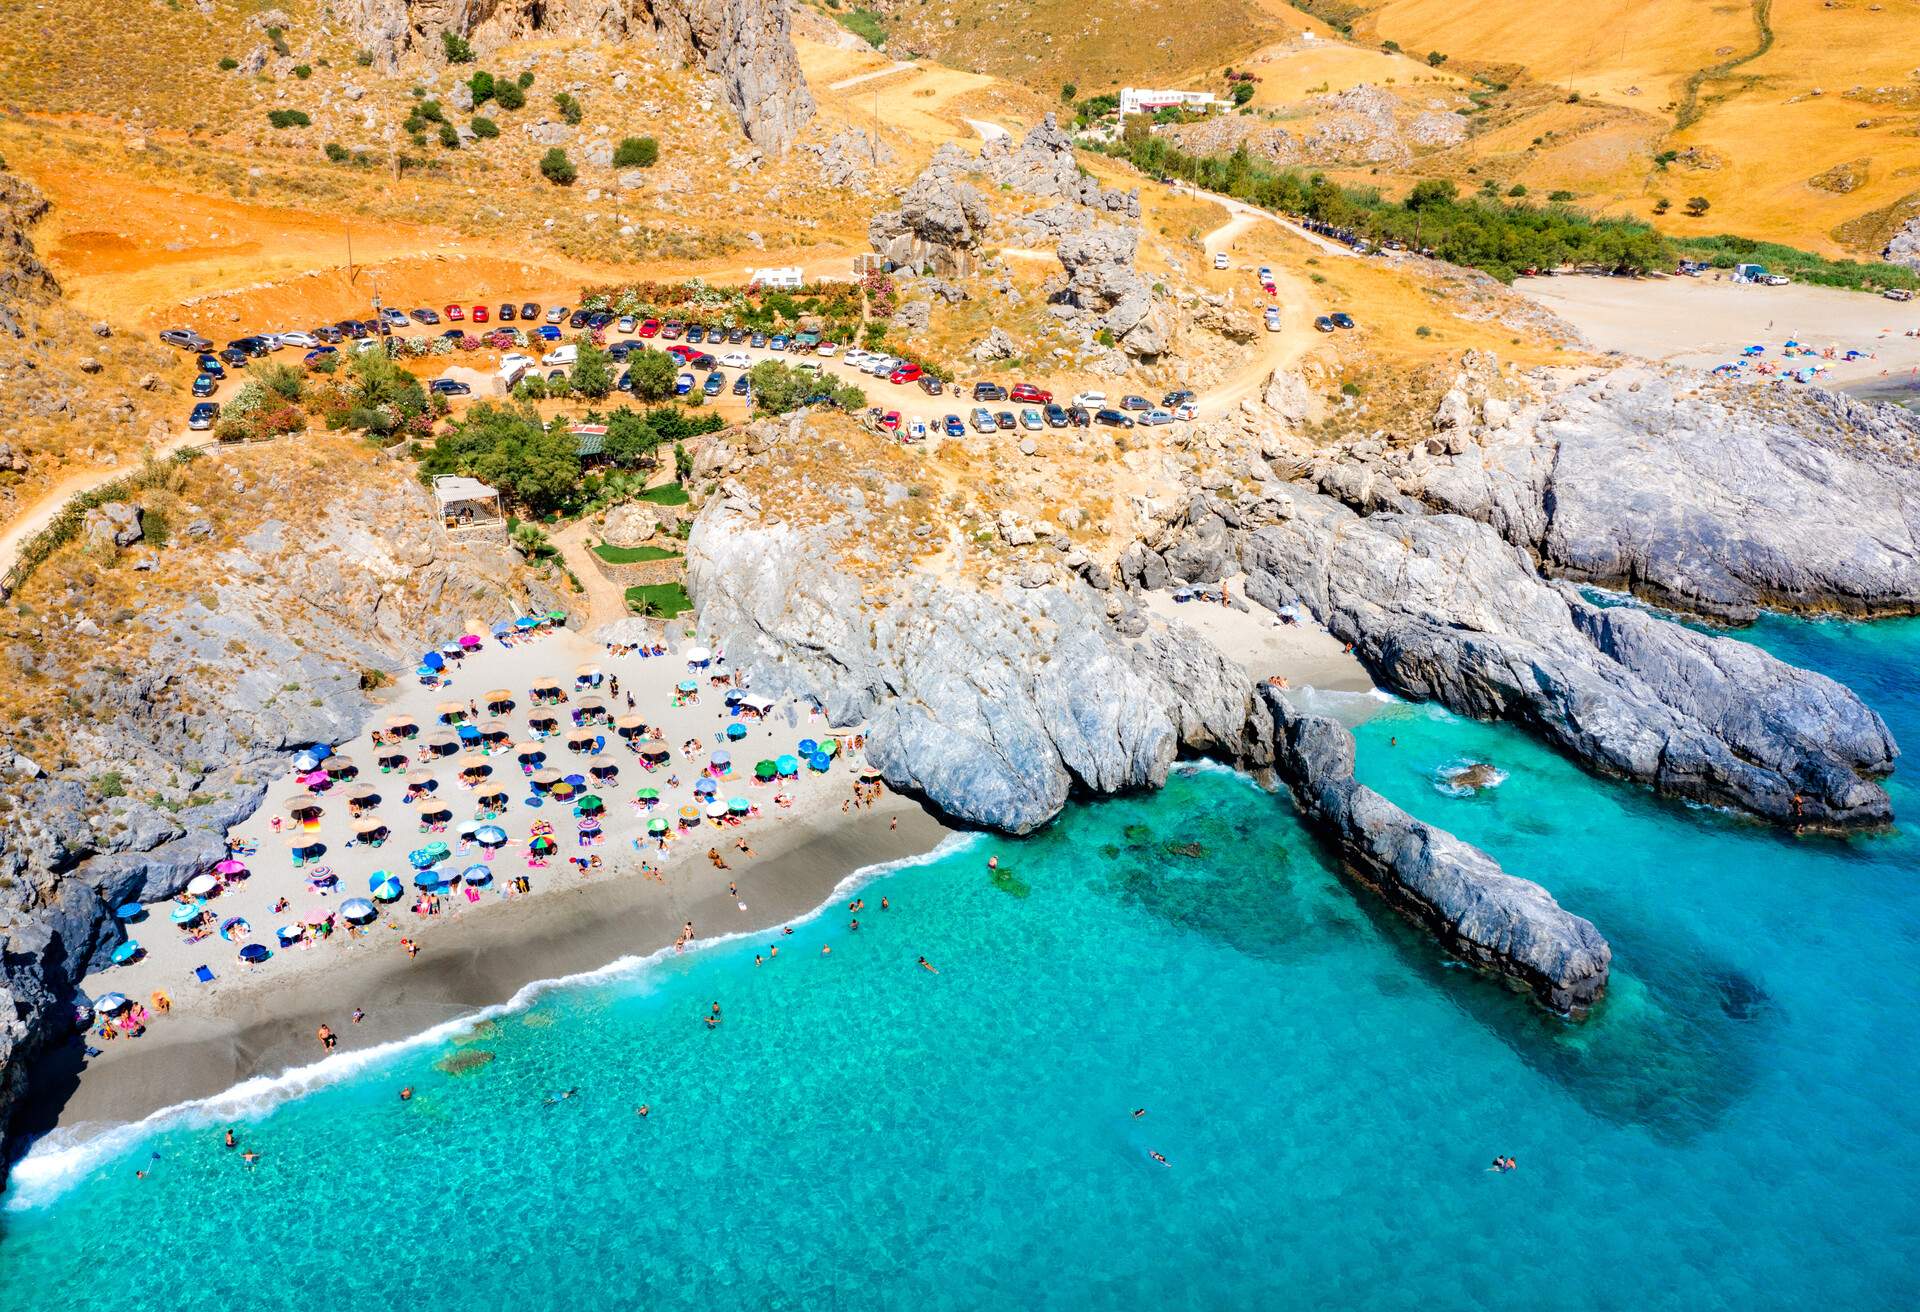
249	1157
928	966
825	950
406	1094
642	1109
883	904
230	1142
1138	1112
1158	1158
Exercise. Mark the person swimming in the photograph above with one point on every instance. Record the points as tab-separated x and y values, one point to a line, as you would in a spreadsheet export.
406	1094
1162	1160
230	1140
1138	1112
928	966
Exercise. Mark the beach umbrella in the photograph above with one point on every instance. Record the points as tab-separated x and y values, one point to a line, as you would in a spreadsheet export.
820	762
451	712
531	756
287	935
384	887
477	876
544	778
369	828
541	845
322	878
687	685
469	642
542	720
716	809
656	826
401	723
563	789
494	731
428	879
453	648
787	766
130	911
490	836
500	699
338	767
765	770
590	805
309	758
359	911
721	760
438	850
422	779
126	952
689	813
629	726
590	706
739	805
433	660
808	747
698	656
502	629
735	732
556	617
704	787
648	795
870	773
186	912
526	622
492	797
230	924
581	742
830	747
435	812
230	867
546	683
201	885
392	758
442	742
301	806
475	769
734	697
654	754
254	953
109	1003
313	781
587	673
605	773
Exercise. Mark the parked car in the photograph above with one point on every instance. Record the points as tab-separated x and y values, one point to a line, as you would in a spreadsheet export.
506	314
1028	392
1135	403
1091	400
1776	280
1056	416
953	426
619	351
672	329
1898	294
890	421
578	319
328	333
1174	398
306	341
702	361
696	333
1323	324
1273	320
1112	419
449	387
562	355
1186	410
649	327
210	365
529	311
737	360
202	416
234	356
557	314
600	318
741	386
682	352
547	332
479	314
1004	421
916	429
392	317
556	375
826	348
983	421
249	346
203	385
185	338
715	381
1031	420
777	342
625	382
352	328
1341	319
1155	418
455	313
1220	260
319	353
424	315
683	384
989	392
626	324
906	373
735	336
930	385
758	341
1079	416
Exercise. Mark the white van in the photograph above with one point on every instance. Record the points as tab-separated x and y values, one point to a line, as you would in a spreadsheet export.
1220	260
1091	400
561	355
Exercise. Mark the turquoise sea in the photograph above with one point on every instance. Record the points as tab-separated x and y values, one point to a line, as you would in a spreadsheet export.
1736	1127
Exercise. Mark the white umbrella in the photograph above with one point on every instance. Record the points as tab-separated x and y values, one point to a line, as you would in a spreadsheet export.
698	655
715	810
201	885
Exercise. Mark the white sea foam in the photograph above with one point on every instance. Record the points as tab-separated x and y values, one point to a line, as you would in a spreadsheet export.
1447	779
63	1157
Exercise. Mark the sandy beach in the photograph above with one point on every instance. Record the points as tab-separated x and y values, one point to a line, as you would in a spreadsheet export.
1303	653
478	950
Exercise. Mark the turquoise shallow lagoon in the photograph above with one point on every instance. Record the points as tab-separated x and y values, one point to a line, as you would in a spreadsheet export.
1735	1127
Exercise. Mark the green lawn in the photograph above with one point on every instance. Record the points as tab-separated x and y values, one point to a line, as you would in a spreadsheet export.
633	555
667	599
668	494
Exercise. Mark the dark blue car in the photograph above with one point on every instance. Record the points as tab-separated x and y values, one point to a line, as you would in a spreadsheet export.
203	386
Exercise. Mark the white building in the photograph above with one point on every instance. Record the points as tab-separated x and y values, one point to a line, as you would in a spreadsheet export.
787	278
1137	100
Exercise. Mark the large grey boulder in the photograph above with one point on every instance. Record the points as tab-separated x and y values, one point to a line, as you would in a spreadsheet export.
1043	165
1456	892
1106	293
940	223
1439	607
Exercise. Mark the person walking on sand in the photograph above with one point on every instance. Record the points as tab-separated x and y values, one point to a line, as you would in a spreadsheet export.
327	1041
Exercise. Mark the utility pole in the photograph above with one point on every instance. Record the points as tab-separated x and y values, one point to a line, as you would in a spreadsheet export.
349	227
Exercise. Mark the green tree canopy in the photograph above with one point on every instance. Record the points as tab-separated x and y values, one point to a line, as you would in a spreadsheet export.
652	374
535	464
592	374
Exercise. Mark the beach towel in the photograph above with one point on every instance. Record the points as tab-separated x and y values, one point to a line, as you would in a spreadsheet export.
473	895
203	974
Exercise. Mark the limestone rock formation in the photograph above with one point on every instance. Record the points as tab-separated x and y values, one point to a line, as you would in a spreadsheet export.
850	156
1043	165
1105	292
1904	246
941	220
1456	892
746	43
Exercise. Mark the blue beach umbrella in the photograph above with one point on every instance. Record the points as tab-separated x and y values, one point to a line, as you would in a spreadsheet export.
186	911
808	747
820	762
721	761
739	805
478	876
705	787
358	910
309	758
490	836
502	629
687	685
429	879
787	765
130	911
433	660
386	889
526	622
126	951
109	1003
575	781
254	952
735	732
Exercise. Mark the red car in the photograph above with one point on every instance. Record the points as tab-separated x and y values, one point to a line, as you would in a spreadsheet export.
682	352
479	314
1028	392
891	421
906	373
650	327
453	313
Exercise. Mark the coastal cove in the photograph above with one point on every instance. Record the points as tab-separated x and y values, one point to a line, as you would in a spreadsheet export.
870	1133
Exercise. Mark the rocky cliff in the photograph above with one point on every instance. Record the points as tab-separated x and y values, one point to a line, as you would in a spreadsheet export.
941	220
174	716
746	43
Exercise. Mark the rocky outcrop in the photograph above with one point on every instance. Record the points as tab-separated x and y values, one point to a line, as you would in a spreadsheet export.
1440	608
1043	165
849	157
1503	924
940	223
747	44
1717	502
1106	294
1904	246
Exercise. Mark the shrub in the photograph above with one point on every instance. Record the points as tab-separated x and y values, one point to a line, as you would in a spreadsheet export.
337	152
557	168
1067	90
1518	189
636	152
288	118
1435	59
1559	196
570	109
364	58
481	85
449	136
485	128
303	71
1423	331
457	49
228	63
1698	205
1242	92
153	527
508	95
431	111
525	80
111	784
865	24
1661	204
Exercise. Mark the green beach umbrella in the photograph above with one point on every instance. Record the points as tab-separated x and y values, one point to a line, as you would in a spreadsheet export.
765	770
656	826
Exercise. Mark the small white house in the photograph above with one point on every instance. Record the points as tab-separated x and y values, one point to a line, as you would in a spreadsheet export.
787	279
1137	100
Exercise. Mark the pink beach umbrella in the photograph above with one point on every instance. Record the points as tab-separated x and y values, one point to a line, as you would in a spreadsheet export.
230	867
318	915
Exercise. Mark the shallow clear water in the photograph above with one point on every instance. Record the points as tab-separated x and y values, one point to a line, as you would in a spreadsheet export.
1735	1127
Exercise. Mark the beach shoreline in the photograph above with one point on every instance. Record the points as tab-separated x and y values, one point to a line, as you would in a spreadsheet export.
266	1024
